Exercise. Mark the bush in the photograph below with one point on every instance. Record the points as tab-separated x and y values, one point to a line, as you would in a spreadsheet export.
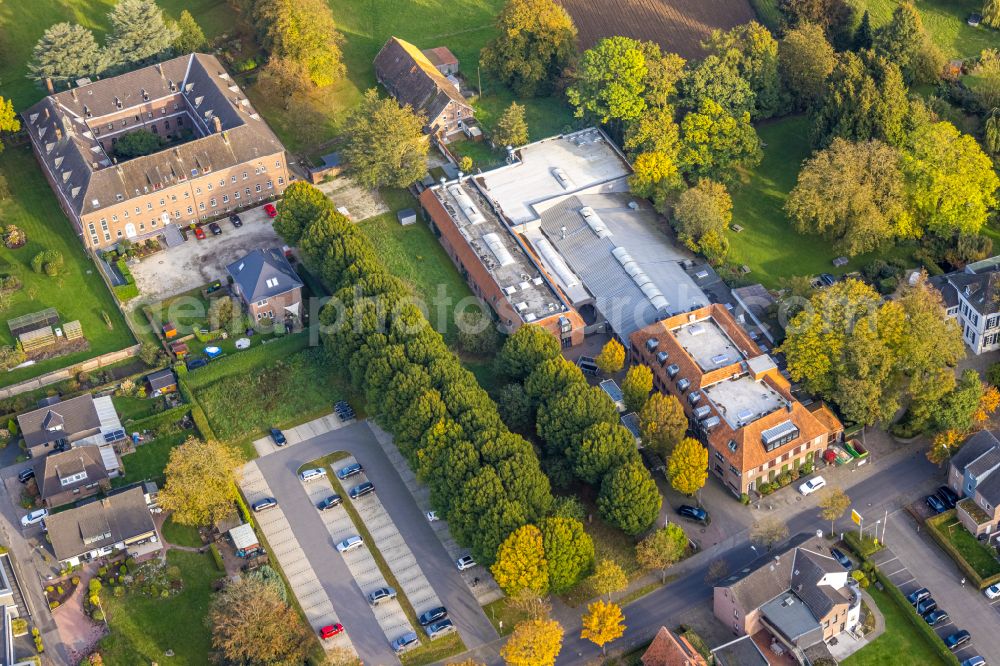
860	576
49	262
19	626
863	549
122	570
118	591
94	586
53	605
97	615
217	557
992	376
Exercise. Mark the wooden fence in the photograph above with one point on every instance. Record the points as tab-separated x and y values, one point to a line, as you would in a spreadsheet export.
65	373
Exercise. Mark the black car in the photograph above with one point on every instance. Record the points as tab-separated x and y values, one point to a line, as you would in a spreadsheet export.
948	496
362	489
827	279
926	606
936	505
918	595
936	617
694	513
957	639
351	470
844	560
235	219
196	363
433	615
26	475
215	228
329	502
278	437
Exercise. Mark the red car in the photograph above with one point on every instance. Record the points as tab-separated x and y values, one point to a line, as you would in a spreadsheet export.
199	233
270	210
331	630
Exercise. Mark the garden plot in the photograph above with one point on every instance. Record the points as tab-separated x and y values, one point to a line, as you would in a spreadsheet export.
359	202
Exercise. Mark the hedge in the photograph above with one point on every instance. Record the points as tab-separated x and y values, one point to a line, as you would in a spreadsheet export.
868	548
967	569
217	556
244	509
197	413
129	290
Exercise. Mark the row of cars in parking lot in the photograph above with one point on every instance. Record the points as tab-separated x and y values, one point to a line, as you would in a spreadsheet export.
199	232
927	608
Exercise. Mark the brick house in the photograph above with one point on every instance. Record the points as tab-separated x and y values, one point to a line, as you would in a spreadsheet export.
119	522
412	78
267	285
799	595
65	477
734	397
973	475
219	154
670	649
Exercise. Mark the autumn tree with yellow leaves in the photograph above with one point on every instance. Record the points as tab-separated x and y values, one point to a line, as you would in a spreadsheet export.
521	563
534	643
687	468
602	623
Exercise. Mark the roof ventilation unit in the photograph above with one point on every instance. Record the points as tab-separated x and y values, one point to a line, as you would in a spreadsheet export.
563	179
595	222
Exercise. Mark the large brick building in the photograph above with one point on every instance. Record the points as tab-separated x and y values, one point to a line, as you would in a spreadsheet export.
219	155
734	396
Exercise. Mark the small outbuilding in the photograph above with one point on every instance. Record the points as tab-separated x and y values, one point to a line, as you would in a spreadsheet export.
443	59
610	387
407	216
244	540
161	382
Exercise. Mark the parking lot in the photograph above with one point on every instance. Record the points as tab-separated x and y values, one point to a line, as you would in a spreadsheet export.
424	571
198	262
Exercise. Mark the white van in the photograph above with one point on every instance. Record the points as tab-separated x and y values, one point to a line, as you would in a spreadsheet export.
308	475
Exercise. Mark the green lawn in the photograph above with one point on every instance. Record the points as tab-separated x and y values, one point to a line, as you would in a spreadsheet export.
78	293
22	24
482	156
944	20
768	244
149	459
133	409
181	535
143	629
900	638
976	555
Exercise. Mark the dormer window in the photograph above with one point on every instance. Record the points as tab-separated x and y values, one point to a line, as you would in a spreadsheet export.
72	478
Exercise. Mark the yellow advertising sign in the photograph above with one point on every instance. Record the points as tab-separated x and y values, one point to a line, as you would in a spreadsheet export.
856	517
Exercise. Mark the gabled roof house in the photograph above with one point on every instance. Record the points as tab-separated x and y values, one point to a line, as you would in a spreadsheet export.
267	284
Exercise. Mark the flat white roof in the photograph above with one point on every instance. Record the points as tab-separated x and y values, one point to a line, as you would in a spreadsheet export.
742	401
707	344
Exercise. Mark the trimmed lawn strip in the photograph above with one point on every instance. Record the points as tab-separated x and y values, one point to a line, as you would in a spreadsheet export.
500	612
900	638
639	593
181	535
436	650
143	628
133	409
977	557
149	460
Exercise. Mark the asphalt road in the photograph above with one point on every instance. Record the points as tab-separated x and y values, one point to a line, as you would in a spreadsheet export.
279	469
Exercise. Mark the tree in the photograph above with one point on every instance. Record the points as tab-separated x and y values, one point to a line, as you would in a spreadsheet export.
991	13
477	332
718	80
569	551
514	406
151	354
138	143
833	503
531	604
602	623
629	498
612	357
687	467
49	262
661	549
654	142
521	564
536	42
610	81
300	205
768	532
662	423
864	36
944	445
604	446
527	348
902	39
511	128
221	313
8	118
865	98
534	642
64	53
753	52
853	194
957	408
636	386
562	419
991	132
14	237
302	32
551	377
608	578
836	17
385	143
950	181
138	32
251	624
805	59
201	482
714	144
701	216
190	37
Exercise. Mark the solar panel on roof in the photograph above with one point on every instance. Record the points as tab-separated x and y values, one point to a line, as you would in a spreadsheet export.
114	436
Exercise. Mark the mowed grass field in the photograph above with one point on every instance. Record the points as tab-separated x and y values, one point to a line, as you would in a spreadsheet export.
78	293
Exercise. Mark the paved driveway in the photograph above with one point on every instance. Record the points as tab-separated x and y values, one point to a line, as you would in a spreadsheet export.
279	469
197	262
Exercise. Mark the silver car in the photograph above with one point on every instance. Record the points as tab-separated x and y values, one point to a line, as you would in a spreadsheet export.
350	543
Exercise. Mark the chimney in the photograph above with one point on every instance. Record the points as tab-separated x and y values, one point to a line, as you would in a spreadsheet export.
58	134
72	91
225	137
217	124
49	86
159	69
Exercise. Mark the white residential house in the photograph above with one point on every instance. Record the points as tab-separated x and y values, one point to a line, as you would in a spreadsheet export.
972	297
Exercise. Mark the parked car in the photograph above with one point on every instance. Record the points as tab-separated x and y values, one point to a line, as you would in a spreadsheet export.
440	628
432	516
588	365
844	560
61	446
936	617
812	485
278	437
405	642
918	595
362	489
196	363
957	639
351	470
926	606
34	517
26	475
313	474
465	562
215	228
270	210
433	615
350	543
331	630
974	661
381	595
330	502
199	233
695	513
827	279
948	496
264	504
235	219
936	505
992	592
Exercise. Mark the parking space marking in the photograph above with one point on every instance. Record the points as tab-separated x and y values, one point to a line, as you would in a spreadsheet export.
306	587
300	433
360	562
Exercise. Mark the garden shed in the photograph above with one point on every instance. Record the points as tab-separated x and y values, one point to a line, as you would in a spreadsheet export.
244	539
